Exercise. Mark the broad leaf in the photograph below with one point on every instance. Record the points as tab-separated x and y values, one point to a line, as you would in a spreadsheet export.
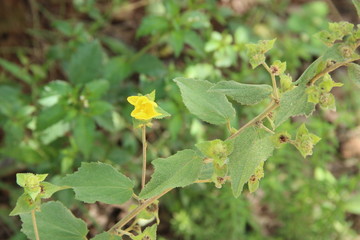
106	236
96	89
55	222
178	170
354	73
293	103
84	134
251	148
246	94
86	64
99	182
210	107
24	204
117	69
149	65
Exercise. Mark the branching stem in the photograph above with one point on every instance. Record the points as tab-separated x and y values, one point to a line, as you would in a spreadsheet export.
33	218
273	80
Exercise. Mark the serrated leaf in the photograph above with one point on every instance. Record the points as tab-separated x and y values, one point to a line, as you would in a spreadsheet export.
99	182
294	103
55	222
178	170
247	94
106	236
84	134
354	73
86	64
210	107
251	148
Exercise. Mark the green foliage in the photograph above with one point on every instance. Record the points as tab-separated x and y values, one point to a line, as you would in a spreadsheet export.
251	148
246	94
354	73
305	141
178	170
209	106
149	233
99	182
256	52
56	222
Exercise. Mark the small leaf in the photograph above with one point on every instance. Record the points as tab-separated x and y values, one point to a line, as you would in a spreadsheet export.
293	103
50	116
99	182
96	89
48	189
24	204
305	141
251	148
178	170
84	134
176	40
151	25
86	64
247	94
278	68
354	73
286	83
106	236
352	204
211	107
117	69
216	149
148	234
55	222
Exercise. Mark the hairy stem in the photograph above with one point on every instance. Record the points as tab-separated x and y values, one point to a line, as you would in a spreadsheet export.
33	218
273	80
143	175
273	105
330	69
136	211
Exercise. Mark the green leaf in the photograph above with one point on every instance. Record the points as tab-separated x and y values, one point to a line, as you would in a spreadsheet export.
354	73
117	69
99	182
24	204
286	83
247	94
48	189
106	236
50	116
149	234
352	204
225	56
55	222
17	71
152	25
195	19
357	6
256	51
211	107
99	107
293	103
149	65
86	64
53	91
251	148
305	141
216	149
96	89
176	40
178	170
54	132
84	134
195	41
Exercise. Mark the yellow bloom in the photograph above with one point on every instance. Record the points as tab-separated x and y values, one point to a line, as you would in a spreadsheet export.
144	108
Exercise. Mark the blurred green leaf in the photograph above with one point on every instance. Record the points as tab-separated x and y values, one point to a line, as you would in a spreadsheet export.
106	236
84	134
352	204
176	40
96	89
150	65
354	72
152	25
24	204
86	64
99	182
117	69
16	70
50	116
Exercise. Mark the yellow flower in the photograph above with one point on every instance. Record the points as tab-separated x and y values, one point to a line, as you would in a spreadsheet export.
144	108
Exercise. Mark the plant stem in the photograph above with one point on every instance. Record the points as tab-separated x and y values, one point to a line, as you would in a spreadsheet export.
273	80
273	105
136	211
330	69
33	217
143	176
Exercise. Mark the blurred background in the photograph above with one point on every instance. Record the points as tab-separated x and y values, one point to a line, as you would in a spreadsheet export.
67	67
